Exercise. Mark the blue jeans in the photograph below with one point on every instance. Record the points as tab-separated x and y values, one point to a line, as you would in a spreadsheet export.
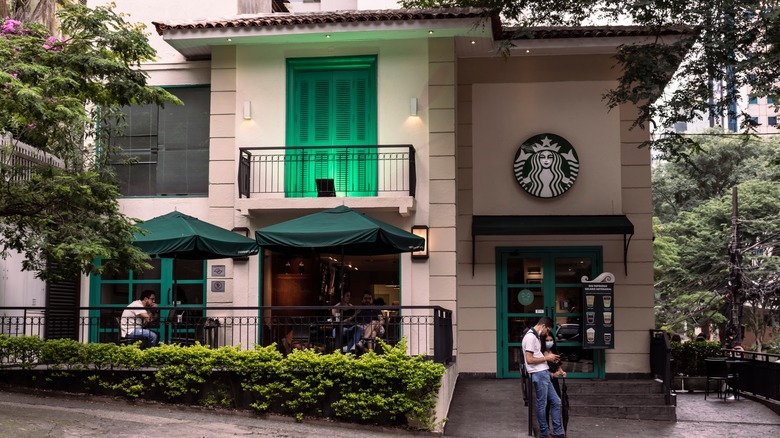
546	392
147	337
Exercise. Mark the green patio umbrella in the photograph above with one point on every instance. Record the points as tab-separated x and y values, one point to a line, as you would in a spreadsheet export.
339	230
177	235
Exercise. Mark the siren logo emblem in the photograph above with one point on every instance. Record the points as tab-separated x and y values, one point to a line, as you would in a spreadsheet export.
546	165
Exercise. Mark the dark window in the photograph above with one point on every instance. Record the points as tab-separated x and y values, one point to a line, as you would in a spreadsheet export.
168	147
771	121
753	100
754	121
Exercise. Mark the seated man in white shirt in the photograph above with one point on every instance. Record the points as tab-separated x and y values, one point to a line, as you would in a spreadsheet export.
137	316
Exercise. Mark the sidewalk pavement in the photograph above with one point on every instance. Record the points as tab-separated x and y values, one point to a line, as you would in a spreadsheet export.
481	408
489	408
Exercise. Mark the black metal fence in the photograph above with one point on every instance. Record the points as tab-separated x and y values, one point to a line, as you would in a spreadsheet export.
757	373
365	170
427	329
661	361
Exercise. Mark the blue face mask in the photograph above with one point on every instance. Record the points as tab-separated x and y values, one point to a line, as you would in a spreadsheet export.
549	344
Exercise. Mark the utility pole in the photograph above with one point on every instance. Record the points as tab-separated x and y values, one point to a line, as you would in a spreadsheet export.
734	324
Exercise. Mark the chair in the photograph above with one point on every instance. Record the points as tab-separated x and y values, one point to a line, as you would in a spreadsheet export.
718	371
120	340
325	187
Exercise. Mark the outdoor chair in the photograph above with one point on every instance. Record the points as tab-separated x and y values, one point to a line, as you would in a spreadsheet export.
718	371
120	340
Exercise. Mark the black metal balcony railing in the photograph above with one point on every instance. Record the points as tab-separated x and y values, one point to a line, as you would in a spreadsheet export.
299	171
427	329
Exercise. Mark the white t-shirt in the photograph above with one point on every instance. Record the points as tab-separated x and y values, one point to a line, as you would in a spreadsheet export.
531	343
131	317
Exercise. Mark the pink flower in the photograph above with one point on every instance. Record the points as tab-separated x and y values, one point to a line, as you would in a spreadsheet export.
52	44
31	125
11	26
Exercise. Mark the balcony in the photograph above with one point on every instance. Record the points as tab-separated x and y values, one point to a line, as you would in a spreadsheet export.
301	177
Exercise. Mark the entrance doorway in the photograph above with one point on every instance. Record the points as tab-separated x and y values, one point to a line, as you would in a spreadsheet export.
534	282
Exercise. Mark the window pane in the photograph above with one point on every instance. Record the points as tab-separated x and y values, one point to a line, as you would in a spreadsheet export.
522	271
114	293
571	270
188	294
188	269
168	146
184	144
142	287
150	274
525	300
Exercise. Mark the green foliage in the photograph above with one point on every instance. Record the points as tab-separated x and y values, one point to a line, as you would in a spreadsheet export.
692	203
57	91
388	388
689	356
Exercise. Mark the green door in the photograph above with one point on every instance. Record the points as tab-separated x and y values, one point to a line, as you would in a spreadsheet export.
536	282
115	292
331	103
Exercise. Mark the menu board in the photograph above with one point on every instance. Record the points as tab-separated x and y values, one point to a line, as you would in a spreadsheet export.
598	316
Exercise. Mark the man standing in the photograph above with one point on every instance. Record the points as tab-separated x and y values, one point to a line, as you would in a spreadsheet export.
137	316
536	364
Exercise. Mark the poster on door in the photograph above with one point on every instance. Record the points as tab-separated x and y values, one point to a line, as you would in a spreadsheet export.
598	321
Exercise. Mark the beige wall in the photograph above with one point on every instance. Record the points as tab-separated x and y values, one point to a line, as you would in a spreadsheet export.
500	104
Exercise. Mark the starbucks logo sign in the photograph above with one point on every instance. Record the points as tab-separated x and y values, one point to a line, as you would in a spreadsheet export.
546	165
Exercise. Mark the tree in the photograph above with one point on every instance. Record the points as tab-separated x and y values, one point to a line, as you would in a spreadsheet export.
57	92
695	288
732	46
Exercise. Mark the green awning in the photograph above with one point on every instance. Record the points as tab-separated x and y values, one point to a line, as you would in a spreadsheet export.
552	226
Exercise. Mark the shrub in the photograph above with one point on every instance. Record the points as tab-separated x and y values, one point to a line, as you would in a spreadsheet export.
689	357
388	388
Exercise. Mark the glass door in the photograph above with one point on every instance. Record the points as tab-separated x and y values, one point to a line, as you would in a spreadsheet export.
180	283
536	282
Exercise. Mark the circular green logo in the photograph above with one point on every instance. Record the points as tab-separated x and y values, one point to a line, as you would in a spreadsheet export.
525	297
546	165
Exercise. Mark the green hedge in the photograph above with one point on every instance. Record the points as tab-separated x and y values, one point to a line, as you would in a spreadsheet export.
388	388
688	357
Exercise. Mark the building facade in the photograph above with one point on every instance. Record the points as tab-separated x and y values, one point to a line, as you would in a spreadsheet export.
526	181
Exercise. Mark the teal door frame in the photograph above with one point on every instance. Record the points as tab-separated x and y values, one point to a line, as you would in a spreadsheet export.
542	296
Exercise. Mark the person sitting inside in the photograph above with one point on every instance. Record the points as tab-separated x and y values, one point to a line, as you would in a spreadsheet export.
344	319
367	322
137	316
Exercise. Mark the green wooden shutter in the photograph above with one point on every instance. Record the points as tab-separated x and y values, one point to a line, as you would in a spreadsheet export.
332	107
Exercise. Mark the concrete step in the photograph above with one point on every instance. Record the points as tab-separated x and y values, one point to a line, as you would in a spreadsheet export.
662	413
616	399
614	386
629	399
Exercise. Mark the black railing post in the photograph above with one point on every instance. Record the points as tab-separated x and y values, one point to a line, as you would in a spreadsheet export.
244	162
660	361
412	173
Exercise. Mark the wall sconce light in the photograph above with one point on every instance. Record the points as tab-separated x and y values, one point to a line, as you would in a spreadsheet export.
244	231
247	110
421	231
413	107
